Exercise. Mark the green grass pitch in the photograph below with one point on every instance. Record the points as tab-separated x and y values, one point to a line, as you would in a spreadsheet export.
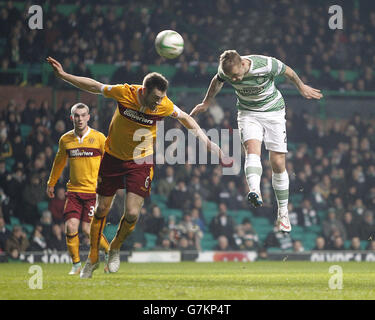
193	281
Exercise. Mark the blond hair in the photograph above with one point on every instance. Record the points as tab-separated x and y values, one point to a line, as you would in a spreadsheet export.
228	59
79	105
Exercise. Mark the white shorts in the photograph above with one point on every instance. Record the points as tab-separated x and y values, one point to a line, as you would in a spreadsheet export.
269	127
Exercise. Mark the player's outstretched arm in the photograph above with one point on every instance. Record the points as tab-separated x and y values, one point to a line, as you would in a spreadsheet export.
305	90
189	123
213	90
83	83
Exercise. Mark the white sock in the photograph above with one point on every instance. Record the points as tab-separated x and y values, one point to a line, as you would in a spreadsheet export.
253	171
280	184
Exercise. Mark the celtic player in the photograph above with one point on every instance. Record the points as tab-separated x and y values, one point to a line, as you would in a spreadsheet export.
261	117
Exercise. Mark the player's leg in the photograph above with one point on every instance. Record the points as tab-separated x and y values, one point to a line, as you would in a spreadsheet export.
138	187
251	134
89	201
72	243
280	184
96	230
253	170
72	217
276	143
133	205
103	244
97	225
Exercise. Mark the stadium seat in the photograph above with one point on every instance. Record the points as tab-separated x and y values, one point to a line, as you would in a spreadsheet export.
101	69
317	228
209	214
14	221
166	70
42	205
296	199
158	198
260	221
364	244
9	162
66	9
28	228
150	240
25	130
172	212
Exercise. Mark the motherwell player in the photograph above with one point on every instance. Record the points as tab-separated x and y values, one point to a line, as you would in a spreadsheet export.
128	148
84	147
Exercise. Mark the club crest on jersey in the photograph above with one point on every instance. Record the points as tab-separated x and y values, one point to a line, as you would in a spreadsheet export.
91	140
260	80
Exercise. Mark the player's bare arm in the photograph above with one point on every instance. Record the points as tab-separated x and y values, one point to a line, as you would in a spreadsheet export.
213	90
305	90
189	123
83	83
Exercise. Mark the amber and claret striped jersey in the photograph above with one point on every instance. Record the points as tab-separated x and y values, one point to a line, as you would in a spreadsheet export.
84	154
132	131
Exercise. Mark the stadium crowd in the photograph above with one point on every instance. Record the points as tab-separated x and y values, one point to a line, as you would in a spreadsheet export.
331	164
126	38
331	169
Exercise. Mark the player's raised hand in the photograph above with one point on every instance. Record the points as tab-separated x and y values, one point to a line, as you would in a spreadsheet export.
202	107
310	93
57	67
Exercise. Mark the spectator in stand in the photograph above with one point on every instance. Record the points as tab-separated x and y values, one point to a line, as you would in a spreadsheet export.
6	150
297	246
371	245
338	244
4	234
167	184
18	241
38	242
307	214
367	226
276	239
222	224
320	243
178	196
223	244
32	195
56	205
153	222
57	240
351	225
355	244
331	224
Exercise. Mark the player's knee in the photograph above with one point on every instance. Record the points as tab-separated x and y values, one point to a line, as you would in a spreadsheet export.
102	209
71	227
131	214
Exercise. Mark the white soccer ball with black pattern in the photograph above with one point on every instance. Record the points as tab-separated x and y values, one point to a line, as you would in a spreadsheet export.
169	44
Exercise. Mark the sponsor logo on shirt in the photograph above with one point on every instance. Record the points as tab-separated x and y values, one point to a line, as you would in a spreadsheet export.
83	152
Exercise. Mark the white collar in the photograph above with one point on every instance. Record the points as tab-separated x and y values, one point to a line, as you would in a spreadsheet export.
80	139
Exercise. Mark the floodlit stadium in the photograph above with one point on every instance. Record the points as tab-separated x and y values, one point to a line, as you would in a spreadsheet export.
187	150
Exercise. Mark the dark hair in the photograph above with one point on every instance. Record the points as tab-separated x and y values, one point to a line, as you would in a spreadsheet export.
155	80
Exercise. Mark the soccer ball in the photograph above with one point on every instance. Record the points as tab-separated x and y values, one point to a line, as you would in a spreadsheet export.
169	44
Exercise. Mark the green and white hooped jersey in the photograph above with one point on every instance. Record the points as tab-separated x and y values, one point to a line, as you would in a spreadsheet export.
257	91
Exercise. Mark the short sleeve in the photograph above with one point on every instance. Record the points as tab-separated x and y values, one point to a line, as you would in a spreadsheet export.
277	67
176	112
116	92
